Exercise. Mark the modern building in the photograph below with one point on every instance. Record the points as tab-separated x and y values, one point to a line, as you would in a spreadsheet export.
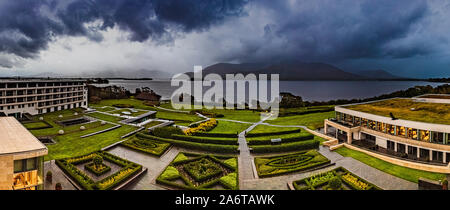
37	96
21	157
413	132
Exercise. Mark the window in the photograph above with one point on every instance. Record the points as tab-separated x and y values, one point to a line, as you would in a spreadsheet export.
438	137
390	145
25	165
390	129
424	135
401	131
412	133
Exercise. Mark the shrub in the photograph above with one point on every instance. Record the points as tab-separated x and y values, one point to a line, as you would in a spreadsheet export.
98	160
202	170
123	105
283	140
230	180
192	145
250	134
180	158
146	146
210	140
202	127
58	186
98	170
49	176
335	183
302	145
167	131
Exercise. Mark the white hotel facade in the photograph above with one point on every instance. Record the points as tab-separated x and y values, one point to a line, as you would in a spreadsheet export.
37	96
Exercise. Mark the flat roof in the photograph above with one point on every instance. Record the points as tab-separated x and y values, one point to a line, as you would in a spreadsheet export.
406	109
15	138
27	80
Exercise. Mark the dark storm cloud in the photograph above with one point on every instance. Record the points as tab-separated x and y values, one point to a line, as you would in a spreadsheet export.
327	30
27	26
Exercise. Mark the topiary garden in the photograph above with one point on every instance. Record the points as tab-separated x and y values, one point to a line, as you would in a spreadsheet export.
200	172
94	162
337	179
282	164
148	146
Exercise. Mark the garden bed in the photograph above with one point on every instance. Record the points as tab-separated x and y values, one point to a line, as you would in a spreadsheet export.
146	145
36	125
128	169
282	164
200	172
347	180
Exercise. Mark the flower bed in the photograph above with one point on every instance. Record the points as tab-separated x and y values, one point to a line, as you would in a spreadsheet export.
146	145
68	165
322	181
202	127
199	171
278	165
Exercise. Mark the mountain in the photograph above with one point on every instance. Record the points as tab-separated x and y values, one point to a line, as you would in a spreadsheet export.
378	74
287	70
132	74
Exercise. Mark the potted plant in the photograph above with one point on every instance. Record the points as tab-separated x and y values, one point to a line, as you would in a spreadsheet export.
445	184
335	183
58	186
49	176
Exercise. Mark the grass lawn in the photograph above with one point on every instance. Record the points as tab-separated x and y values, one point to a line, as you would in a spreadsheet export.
229	127
35	125
152	123
134	114
105	117
231	114
401	108
270	129
409	174
72	145
312	121
137	104
184	118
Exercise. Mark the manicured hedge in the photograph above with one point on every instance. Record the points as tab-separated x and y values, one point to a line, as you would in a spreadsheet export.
193	145
166	131
250	134
225	135
301	145
170	175
129	169
282	164
208	140
146	146
90	167
322	179
283	140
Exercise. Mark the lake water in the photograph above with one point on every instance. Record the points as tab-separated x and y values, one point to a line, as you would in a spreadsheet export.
308	90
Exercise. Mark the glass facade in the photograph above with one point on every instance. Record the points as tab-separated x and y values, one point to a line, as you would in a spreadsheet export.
401	131
28	174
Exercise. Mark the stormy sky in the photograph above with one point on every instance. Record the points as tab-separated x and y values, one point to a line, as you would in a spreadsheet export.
405	37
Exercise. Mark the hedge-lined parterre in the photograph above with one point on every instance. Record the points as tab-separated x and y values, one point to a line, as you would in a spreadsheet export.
146	145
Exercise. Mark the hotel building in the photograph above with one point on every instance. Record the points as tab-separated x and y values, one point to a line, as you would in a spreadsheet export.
37	96
21	157
412	132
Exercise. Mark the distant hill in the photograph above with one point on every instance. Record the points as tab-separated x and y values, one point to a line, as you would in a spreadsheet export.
378	74
132	74
287	70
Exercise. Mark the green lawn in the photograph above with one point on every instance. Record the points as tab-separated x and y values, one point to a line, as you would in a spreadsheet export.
138	104
183	118
312	121
409	174
105	117
134	114
72	145
152	123
35	125
229	127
